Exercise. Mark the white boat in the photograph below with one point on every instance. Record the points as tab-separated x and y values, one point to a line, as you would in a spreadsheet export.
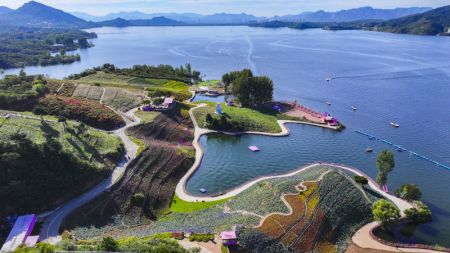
328	103
328	79
354	108
394	124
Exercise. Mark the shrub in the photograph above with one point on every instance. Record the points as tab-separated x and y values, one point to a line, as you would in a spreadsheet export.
361	180
201	237
109	244
184	114
419	215
138	198
409	192
385	212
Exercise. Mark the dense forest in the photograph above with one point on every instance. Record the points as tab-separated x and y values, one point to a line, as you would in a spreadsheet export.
22	47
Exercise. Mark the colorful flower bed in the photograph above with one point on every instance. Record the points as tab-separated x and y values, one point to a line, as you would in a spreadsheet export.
87	111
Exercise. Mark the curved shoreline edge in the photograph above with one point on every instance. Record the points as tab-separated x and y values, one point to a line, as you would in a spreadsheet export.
182	193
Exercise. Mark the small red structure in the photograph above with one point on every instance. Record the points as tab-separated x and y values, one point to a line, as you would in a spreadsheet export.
178	235
228	238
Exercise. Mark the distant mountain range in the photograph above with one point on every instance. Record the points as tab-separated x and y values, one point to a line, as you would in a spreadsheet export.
156	21
363	13
4	10
418	20
186	18
34	14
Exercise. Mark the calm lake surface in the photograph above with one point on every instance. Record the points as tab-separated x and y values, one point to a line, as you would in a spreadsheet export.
389	78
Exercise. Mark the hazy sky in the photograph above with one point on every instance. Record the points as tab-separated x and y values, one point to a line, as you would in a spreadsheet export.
257	7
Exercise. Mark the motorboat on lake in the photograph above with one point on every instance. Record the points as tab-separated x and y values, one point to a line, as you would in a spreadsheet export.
369	150
394	124
328	103
354	108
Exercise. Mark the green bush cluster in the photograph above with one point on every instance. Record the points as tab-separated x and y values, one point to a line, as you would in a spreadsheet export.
361	180
201	237
21	92
422	214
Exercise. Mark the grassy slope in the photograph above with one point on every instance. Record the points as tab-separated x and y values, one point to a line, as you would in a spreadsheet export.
146	117
180	206
83	146
177	89
251	119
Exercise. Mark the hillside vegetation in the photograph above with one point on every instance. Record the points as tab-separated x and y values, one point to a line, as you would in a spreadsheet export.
429	23
149	182
21	47
43	162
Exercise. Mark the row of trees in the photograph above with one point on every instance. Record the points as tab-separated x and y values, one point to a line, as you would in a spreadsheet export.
183	74
251	91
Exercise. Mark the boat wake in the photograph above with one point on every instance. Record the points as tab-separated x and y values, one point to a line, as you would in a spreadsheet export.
250	55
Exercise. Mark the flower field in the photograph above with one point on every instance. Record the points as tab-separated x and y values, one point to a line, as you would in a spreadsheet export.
327	212
84	110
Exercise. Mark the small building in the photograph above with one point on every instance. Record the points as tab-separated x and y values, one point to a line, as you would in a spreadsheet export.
178	235
229	238
20	233
169	102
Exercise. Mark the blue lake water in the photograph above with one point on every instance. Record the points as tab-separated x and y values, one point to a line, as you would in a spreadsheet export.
388	77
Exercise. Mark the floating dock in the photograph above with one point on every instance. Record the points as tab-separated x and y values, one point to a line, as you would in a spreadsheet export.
400	149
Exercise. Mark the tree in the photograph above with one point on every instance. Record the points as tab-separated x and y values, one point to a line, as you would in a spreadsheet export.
385	164
231	77
409	192
385	212
83	43
109	244
422	214
253	91
361	180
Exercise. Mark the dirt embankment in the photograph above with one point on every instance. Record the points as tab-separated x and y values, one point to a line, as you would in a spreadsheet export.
149	181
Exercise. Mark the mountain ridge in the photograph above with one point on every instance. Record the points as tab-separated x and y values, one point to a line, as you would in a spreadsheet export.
34	14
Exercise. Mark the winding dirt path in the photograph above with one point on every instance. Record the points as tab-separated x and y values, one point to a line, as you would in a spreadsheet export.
52	220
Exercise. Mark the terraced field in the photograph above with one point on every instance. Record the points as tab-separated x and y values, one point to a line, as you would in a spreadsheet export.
120	99
90	144
88	91
154	174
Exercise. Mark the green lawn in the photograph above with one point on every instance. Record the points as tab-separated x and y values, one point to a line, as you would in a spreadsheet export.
141	145
146	117
180	206
90	145
177	89
249	119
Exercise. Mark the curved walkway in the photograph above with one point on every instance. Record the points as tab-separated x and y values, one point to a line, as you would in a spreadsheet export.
198	132
363	239
52	220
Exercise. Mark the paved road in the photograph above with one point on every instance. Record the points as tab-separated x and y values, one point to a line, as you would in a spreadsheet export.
52	221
